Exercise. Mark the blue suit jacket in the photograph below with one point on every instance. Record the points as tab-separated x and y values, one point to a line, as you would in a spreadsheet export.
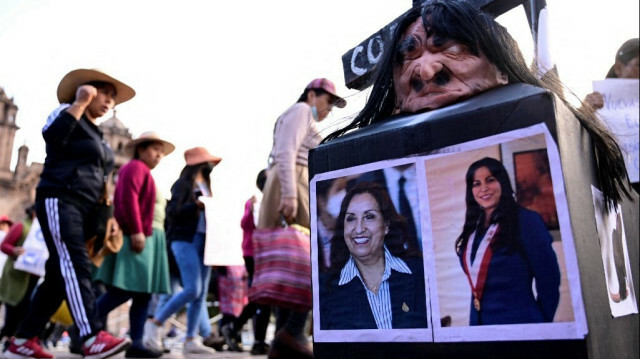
347	306
508	297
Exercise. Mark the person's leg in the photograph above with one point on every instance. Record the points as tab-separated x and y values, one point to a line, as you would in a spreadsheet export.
296	322
199	286
174	281
111	299
15	314
68	276
185	254
282	315
204	327
261	313
11	321
138	315
291	338
68	270
262	322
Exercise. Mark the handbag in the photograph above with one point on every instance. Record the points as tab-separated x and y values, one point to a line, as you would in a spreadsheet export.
104	241
282	274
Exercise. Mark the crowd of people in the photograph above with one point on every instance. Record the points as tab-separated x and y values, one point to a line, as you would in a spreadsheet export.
441	52
73	182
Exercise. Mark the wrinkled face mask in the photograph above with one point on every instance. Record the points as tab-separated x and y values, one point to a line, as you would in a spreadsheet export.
314	112
432	71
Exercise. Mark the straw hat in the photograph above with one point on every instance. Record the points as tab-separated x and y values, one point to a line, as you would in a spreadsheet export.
70	82
148	136
197	155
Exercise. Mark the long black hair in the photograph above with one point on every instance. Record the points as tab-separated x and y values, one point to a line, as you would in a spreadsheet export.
188	174
505	215
396	239
461	21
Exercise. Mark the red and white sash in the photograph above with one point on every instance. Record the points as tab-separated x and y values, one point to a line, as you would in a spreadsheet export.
477	272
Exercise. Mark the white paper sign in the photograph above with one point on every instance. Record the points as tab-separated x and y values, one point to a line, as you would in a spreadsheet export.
621	112
221	249
36	252
615	258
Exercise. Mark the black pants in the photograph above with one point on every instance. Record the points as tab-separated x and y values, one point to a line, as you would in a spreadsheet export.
261	312
14	314
65	226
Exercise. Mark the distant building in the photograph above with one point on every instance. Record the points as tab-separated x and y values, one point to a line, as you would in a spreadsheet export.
18	187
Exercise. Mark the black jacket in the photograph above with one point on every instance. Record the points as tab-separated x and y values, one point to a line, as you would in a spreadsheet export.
77	160
183	213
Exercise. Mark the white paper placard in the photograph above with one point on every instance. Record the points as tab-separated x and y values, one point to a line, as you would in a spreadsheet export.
620	112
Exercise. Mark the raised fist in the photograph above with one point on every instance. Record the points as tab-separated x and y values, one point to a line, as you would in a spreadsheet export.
84	94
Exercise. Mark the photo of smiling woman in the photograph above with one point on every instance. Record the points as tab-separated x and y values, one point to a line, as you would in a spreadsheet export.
502	249
373	280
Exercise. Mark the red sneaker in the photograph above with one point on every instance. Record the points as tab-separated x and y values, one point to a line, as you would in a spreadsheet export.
105	345
28	350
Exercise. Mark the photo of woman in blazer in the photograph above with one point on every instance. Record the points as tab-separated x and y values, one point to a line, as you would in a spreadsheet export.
502	249
373	280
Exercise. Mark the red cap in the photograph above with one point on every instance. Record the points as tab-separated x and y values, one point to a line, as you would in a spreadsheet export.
5	218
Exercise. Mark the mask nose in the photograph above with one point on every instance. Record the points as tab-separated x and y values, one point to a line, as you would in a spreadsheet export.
426	68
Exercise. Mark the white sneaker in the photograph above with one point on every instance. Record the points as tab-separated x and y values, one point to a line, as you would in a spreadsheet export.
194	346
152	337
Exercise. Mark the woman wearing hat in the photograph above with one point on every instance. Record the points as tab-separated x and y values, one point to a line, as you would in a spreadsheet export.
186	231
77	163
141	267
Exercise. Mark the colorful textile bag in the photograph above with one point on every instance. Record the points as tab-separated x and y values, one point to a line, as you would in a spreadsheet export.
282	275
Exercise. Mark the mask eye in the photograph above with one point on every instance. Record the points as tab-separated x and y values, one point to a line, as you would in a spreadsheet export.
408	49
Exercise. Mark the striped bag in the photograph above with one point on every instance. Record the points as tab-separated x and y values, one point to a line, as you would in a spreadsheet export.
282	275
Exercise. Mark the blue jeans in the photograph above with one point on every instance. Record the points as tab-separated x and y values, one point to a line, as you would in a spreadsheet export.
204	327
195	277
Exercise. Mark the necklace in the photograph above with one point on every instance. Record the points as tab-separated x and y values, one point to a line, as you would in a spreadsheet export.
376	285
373	288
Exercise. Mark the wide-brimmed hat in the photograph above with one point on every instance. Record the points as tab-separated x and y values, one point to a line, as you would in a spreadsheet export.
197	155
70	82
148	136
328	86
